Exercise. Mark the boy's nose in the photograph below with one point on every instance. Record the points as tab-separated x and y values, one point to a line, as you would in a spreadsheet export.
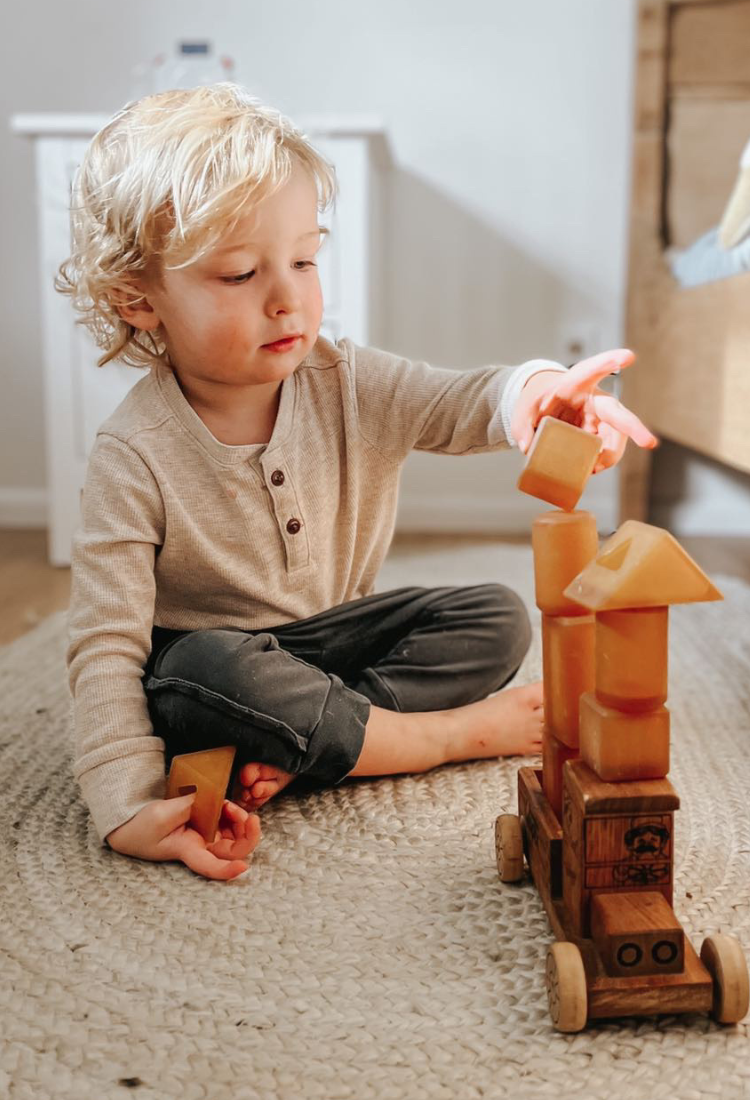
282	295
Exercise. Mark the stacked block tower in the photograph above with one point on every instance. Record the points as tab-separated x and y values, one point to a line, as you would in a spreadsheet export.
564	541
596	823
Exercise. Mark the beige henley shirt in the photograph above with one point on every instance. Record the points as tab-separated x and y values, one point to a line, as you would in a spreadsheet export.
181	531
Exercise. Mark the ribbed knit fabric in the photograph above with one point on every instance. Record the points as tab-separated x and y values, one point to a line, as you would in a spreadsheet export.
181	531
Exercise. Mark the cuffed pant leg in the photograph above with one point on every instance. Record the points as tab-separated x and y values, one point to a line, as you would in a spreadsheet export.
219	687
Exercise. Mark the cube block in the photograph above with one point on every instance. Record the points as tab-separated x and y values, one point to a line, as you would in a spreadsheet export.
621	746
559	462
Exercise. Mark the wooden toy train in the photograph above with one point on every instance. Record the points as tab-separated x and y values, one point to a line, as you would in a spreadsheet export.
595	824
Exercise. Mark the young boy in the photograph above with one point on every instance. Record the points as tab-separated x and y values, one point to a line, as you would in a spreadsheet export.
241	499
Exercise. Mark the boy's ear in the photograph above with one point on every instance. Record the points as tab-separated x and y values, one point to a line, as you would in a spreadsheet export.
131	302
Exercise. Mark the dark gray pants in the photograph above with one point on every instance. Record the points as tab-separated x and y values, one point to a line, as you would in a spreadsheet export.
298	695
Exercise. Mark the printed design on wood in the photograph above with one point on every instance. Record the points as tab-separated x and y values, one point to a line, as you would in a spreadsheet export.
628	851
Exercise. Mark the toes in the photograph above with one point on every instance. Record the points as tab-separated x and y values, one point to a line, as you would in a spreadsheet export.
249	774
265	789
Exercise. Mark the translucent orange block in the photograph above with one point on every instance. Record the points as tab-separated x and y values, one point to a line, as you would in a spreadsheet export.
559	462
209	773
563	544
641	566
620	746
567	671
554	755
632	658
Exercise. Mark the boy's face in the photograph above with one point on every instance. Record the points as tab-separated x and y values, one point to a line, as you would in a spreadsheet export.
256	286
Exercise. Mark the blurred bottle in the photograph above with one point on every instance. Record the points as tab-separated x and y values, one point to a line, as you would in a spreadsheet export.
191	64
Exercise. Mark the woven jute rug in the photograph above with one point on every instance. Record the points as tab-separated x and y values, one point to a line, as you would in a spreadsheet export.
371	951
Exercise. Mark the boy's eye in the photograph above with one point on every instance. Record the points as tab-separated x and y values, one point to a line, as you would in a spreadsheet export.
233	280
237	280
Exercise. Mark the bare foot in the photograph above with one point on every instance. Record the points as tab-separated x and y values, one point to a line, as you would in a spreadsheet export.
506	724
256	783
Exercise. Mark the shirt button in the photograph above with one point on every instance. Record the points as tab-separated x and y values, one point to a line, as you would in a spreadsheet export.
277	477
293	526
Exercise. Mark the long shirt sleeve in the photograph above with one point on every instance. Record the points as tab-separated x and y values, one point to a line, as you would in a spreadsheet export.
118	761
409	405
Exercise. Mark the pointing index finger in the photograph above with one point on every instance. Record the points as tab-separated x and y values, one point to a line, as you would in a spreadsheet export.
586	374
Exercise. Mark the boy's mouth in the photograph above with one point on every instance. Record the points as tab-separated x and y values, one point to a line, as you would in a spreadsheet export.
283	345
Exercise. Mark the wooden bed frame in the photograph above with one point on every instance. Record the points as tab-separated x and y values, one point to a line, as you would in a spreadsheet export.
691	384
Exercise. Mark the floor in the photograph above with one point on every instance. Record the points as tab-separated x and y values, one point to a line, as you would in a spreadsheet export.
31	589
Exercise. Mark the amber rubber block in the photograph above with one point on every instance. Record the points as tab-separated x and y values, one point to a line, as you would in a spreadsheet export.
563	544
641	566
209	772
632	658
559	462
567	672
619	745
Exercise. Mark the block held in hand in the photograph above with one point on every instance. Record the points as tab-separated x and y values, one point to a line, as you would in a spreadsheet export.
207	773
559	462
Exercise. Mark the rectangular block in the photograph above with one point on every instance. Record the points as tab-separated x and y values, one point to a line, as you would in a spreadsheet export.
619	746
632	658
567	672
563	543
595	796
637	933
554	756
559	462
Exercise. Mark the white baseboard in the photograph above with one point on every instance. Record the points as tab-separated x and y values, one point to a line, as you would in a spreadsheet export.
23	507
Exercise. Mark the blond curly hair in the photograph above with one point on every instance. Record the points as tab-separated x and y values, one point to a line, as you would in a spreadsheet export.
158	185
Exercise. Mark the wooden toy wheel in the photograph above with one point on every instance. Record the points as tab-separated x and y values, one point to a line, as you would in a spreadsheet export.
566	987
509	847
725	961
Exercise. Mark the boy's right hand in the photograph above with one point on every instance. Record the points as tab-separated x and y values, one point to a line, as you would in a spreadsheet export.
160	831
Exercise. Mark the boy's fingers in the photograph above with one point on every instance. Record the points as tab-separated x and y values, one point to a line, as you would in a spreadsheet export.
205	863
231	848
523	429
613	447
585	375
237	844
176	811
617	416
232	820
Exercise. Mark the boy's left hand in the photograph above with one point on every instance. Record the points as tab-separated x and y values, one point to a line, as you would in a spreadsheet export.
577	398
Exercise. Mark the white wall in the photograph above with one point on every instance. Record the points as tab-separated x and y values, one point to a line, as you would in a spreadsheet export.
507	230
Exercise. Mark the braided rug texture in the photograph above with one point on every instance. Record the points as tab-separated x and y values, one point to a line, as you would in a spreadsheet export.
371	951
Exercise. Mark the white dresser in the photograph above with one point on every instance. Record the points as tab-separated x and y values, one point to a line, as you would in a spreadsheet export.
78	394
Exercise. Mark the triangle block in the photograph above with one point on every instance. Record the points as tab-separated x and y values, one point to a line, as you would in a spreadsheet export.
209	772
640	566
215	765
